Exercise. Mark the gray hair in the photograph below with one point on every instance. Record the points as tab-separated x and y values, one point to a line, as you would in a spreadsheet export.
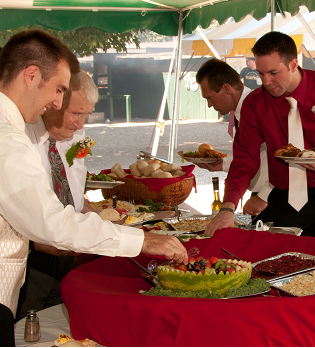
82	81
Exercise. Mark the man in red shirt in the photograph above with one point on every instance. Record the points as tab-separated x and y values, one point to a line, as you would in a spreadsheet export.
264	116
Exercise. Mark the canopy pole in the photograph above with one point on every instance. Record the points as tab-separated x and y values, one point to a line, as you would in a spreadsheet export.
305	24
208	43
176	90
273	15
159	126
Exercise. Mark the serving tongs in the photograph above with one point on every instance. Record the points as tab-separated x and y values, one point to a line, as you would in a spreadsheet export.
265	273
147	155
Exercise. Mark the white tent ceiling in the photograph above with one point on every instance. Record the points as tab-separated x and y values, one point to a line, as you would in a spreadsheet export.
233	38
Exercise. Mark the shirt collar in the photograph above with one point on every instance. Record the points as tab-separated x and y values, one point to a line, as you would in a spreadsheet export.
41	133
11	112
245	93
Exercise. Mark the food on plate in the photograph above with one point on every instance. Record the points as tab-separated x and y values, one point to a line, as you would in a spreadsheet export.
200	274
301	285
149	206
67	341
110	214
131	219
292	151
282	265
204	151
108	203
192	225
98	177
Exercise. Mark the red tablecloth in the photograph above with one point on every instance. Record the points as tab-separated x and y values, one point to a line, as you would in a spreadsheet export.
104	304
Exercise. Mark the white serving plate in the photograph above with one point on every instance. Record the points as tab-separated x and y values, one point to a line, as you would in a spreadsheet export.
302	160
92	184
201	160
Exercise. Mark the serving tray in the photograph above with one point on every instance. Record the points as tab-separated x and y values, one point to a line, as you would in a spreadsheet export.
297	254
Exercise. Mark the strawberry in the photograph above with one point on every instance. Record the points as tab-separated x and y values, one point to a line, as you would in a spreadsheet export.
213	260
191	259
208	265
199	258
230	269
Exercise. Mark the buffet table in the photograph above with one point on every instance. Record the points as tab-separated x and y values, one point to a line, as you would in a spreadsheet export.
103	301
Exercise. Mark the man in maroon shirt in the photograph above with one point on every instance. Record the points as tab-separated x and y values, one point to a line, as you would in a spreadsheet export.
264	116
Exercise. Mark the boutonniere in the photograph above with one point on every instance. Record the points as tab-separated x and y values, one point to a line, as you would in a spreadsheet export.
313	109
81	149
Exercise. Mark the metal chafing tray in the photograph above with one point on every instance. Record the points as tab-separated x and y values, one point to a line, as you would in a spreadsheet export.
297	254
276	284
172	221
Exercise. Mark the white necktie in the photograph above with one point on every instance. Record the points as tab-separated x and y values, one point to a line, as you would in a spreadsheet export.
298	195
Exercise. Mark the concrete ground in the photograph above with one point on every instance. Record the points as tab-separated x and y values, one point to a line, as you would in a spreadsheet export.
120	142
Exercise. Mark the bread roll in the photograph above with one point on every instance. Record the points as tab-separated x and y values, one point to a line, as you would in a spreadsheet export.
109	214
204	147
171	167
178	173
162	165
154	174
154	161
117	169
113	175
164	175
149	169
134	170
142	164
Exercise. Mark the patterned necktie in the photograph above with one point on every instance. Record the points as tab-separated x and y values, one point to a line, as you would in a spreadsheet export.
298	195
58	172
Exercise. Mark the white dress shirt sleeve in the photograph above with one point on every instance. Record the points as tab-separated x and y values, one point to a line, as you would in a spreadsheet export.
32	208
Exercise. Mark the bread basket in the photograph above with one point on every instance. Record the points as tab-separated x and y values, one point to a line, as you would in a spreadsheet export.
137	191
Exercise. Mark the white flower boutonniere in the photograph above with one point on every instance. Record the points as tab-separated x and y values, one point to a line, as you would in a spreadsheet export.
313	109
81	149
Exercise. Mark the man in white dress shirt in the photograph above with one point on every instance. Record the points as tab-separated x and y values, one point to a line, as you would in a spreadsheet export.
45	266
223	89
35	70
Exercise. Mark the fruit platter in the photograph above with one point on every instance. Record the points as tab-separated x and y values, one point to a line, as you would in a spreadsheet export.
208	278
200	274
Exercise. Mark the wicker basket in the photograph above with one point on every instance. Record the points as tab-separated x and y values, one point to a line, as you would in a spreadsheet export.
177	192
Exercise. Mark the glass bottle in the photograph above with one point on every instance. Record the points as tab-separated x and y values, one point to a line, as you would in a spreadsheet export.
216	204
32	330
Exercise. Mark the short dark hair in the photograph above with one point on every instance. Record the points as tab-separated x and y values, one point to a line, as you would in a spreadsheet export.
34	47
275	41
217	74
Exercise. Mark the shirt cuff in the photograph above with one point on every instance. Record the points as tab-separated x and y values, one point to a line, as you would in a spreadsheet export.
265	191
131	241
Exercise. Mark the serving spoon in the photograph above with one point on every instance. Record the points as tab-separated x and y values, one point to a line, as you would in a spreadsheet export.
265	273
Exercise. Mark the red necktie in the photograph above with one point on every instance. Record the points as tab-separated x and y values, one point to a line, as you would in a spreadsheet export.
58	172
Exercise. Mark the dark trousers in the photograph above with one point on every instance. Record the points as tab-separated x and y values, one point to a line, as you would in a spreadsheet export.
280	212
44	273
6	327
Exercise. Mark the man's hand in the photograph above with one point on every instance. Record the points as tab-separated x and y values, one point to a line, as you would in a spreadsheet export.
48	249
308	166
168	246
212	167
254	206
222	220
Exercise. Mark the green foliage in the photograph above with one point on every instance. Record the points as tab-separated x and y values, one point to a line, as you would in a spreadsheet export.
83	41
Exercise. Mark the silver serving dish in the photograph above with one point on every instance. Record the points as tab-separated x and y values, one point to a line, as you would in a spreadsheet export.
172	221
297	254
277	284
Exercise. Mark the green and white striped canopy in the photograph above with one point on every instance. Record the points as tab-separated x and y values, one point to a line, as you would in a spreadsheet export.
114	16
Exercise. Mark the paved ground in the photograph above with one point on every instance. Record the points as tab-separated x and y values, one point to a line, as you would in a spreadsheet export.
120	142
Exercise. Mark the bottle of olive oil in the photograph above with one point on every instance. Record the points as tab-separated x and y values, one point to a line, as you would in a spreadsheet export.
216	204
